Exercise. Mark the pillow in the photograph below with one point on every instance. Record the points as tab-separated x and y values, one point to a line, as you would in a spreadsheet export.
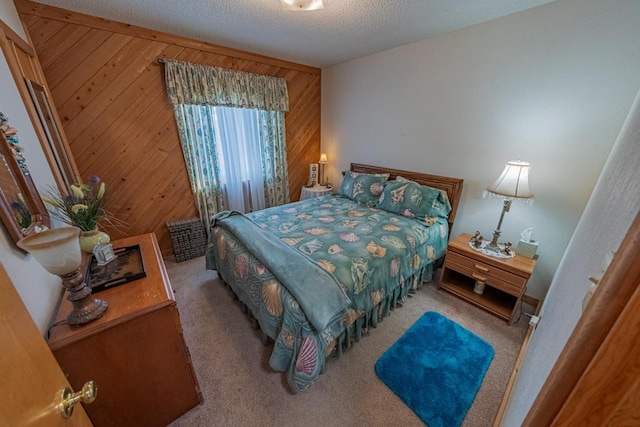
413	200
363	187
403	179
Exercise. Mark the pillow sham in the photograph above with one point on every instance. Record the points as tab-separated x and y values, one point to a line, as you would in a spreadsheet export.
363	187
413	200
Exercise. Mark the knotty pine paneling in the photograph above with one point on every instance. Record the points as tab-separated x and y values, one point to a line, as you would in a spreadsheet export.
109	91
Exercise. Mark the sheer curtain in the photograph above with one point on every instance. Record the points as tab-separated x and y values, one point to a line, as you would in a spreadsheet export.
237	138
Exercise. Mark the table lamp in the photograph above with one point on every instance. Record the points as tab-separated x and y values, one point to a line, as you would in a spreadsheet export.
58	251
513	183
323	162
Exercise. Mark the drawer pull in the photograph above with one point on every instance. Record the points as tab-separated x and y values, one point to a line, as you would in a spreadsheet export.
479	277
481	268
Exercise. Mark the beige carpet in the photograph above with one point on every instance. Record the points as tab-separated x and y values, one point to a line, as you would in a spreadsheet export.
240	389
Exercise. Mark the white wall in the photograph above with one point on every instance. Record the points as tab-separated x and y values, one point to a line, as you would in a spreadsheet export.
550	85
38	289
611	210
9	16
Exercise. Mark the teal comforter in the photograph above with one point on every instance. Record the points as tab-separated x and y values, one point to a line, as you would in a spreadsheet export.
372	256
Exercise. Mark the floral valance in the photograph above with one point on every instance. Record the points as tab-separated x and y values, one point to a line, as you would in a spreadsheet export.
189	83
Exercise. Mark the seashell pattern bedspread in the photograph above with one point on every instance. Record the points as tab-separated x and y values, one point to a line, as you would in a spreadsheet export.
375	256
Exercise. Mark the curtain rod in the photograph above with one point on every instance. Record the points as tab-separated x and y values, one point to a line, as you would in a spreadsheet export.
161	61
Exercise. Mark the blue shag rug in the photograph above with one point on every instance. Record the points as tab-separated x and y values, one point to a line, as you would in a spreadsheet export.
436	368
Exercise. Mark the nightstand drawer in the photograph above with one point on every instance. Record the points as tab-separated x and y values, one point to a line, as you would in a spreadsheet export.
493	276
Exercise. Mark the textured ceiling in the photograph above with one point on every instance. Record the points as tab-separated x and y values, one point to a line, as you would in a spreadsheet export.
343	30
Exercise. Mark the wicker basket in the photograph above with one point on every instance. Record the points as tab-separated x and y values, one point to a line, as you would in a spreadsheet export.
188	237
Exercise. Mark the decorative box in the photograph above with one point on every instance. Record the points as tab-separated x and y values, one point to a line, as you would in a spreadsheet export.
313	173
527	249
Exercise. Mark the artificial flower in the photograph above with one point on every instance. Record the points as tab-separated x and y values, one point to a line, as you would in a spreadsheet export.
83	206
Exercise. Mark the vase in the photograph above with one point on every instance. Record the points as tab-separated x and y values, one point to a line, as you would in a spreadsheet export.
88	239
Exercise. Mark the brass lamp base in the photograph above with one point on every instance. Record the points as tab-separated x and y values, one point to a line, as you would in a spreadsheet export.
85	307
493	246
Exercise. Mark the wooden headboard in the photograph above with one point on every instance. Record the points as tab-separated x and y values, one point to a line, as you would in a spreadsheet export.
453	186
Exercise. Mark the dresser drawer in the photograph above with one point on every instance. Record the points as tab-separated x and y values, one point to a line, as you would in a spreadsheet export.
503	280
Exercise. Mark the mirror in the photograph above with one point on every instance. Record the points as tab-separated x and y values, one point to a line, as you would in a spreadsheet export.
43	107
21	208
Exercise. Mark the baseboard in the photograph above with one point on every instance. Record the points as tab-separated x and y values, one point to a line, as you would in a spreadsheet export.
507	394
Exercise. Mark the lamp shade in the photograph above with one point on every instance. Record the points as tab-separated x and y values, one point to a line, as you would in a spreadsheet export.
57	250
513	182
323	158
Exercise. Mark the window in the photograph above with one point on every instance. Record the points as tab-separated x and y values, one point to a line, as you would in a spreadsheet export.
237	139
236	158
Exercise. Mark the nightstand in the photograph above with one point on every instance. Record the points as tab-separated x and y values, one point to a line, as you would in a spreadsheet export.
505	278
315	191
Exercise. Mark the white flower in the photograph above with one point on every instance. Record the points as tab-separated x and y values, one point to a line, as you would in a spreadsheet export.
79	207
101	190
77	191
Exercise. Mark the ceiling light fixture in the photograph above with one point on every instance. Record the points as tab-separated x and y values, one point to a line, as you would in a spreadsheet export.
301	4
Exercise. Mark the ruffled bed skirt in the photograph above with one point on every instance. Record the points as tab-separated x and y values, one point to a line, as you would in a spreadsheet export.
383	309
369	319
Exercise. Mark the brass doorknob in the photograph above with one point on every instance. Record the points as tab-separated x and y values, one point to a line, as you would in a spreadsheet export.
68	398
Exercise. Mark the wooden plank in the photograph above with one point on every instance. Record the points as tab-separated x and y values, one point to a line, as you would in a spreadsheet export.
160	192
72	58
96	59
118	94
43	31
147	88
28	20
28	7
61	41
122	146
92	86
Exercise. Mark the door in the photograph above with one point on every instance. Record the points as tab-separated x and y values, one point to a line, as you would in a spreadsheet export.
596	378
31	378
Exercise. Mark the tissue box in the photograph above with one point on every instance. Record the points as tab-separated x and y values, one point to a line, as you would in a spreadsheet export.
527	249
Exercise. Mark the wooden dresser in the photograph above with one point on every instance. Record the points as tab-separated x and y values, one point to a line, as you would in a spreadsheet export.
135	353
505	279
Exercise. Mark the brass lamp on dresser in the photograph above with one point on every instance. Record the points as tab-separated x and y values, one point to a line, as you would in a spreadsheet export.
135	353
504	279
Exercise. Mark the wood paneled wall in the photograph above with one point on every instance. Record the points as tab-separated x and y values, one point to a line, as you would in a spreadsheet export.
110	94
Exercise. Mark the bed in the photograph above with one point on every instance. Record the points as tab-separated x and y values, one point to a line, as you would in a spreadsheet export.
315	275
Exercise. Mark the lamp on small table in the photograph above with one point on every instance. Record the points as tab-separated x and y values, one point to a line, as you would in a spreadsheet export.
513	183
58	251
323	164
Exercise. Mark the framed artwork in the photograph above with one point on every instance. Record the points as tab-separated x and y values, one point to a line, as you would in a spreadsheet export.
313	173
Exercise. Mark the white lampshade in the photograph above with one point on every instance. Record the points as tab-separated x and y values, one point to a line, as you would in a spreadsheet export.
57	250
302	4
513	182
323	158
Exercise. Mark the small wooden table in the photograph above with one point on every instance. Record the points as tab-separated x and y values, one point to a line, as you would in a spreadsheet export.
135	353
505	278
